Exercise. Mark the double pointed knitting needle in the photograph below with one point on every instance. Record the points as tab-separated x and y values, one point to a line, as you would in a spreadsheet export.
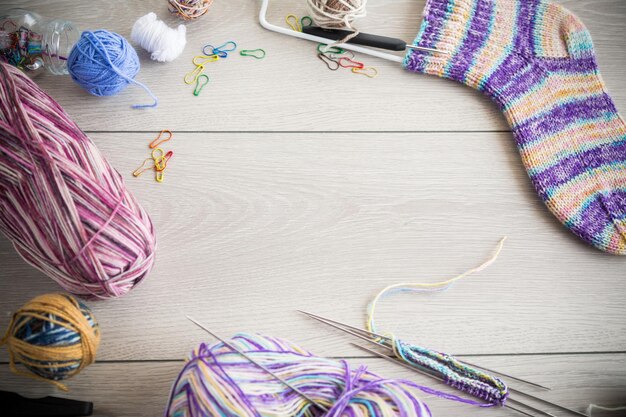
431	375
258	365
360	333
420	370
388	341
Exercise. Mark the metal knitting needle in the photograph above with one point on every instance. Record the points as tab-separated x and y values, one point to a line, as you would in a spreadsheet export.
258	365
369	340
388	340
429	374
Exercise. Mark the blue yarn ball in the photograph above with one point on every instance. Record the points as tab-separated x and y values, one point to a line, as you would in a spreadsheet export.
103	63
45	332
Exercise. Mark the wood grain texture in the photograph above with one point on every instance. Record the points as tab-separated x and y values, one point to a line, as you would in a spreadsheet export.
293	214
251	227
291	90
142	389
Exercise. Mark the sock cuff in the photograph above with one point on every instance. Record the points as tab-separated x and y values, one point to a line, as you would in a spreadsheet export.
458	27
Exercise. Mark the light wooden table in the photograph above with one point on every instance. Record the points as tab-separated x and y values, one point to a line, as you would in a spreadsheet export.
296	187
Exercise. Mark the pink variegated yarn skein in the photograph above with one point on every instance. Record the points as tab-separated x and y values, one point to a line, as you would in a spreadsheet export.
64	208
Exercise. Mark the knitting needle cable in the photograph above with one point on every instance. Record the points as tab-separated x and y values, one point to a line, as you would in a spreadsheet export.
258	365
388	341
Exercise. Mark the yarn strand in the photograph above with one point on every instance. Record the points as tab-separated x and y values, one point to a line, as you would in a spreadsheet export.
455	374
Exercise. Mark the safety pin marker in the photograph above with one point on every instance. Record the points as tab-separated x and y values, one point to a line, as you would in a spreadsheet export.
192	76
254	53
326	49
370	72
161	163
143	168
157	153
309	21
158	141
205	59
351	63
327	60
159	176
201	81
292	21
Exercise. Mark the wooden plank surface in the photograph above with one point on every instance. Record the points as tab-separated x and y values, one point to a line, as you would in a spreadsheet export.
291	90
294	214
252	226
142	389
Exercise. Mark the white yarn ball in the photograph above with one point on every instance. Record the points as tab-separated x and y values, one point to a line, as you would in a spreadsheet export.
336	14
164	43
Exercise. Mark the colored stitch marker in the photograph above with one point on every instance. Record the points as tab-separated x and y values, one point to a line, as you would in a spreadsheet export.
193	75
161	163
143	168
254	53
221	51
329	50
292	21
370	72
308	20
157	153
350	63
158	141
330	63
200	83
201	60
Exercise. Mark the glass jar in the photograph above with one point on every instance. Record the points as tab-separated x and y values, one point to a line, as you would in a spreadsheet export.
34	43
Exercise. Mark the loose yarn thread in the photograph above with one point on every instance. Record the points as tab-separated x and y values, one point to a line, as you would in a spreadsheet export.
337	14
65	209
593	407
455	374
189	9
218	381
164	43
54	336
104	64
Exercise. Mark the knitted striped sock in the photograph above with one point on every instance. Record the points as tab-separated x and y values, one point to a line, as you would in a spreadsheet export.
536	61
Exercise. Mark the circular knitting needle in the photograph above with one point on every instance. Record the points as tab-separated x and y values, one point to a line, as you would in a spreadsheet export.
258	365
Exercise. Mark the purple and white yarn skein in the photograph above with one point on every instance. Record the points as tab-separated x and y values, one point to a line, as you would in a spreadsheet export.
66	210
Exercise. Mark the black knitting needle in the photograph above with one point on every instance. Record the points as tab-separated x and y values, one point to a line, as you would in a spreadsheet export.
367	39
388	341
258	365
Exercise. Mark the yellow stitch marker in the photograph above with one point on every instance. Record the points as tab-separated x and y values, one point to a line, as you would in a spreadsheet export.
370	72
292	21
192	76
204	59
159	176
157	153
143	167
